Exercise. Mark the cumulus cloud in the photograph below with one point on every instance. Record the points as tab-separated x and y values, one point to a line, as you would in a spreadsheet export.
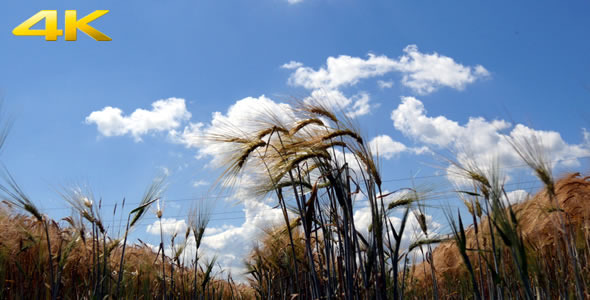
292	65
341	71
385	84
386	147
425	73
165	115
410	118
325	82
169	226
355	106
479	139
361	106
516	196
258	216
191	136
332	99
422	72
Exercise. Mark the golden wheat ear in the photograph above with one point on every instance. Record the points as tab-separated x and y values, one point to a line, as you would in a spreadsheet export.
15	195
534	154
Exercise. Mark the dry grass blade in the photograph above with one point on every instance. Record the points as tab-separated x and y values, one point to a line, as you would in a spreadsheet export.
367	159
320	111
531	151
208	272
17	197
198	221
458	231
151	195
343	132
428	241
248	149
303	123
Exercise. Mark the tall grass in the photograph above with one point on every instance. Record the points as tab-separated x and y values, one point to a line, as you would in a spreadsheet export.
317	166
317	163
83	258
40	258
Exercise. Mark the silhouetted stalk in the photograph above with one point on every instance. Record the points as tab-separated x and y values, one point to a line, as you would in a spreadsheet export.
105	278
404	276
494	252
50	261
283	206
315	283
172	265
461	242
478	249
150	196
163	257
122	257
327	250
398	239
96	259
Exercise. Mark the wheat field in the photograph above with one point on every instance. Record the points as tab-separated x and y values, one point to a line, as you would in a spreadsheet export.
313	165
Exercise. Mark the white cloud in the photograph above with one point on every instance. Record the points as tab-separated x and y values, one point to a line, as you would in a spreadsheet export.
292	65
385	84
335	100
331	99
199	183
165	171
191	136
361	106
480	140
294	1
386	147
257	216
169	227
423	73
165	115
341	71
516	196
410	118
216	230
586	135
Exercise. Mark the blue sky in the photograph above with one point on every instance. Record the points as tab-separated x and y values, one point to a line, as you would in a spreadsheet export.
524	62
